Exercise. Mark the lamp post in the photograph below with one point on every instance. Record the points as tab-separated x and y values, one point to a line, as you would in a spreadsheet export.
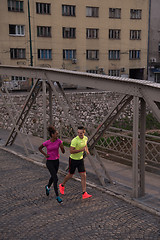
149	23
30	39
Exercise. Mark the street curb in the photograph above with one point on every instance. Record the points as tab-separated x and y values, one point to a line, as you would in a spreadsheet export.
131	201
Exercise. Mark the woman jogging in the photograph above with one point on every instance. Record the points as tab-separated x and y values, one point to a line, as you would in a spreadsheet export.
52	145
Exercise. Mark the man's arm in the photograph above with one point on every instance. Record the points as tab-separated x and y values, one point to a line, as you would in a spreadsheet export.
86	150
73	150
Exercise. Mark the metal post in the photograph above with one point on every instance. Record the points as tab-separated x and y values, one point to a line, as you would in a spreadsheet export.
102	165
142	147
135	147
50	105
92	162
30	39
44	111
149	23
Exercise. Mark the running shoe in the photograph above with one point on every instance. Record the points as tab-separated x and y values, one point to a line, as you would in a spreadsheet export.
61	189
59	200
47	190
86	195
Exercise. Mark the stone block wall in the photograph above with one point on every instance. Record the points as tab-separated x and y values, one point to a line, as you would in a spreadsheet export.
89	107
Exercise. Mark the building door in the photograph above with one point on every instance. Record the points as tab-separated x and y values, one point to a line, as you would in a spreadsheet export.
136	73
157	77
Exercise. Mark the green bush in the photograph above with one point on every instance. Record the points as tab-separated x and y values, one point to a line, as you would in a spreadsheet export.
66	144
152	122
127	124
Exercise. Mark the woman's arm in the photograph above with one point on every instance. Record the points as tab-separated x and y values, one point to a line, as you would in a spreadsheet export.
62	148
40	149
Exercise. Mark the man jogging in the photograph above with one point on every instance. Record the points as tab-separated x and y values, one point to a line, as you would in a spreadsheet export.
77	148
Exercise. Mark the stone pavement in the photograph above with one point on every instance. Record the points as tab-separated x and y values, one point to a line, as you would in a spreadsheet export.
27	213
121	175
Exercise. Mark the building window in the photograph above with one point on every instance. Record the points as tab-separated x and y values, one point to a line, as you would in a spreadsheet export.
15	6
135	14
45	54
135	34
115	73
114	33
17	78
43	8
43	31
92	54
17	53
92	71
114	54
69	54
69	32
134	54
68	10
159	47
92	11
114	13
16	30
92	33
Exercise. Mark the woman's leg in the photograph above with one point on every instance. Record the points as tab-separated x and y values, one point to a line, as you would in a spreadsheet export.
48	164
53	166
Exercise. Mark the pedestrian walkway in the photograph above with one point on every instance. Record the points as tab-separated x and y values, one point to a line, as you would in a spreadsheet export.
27	213
121	175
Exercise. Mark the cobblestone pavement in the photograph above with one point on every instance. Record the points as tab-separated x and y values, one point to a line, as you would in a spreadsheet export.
27	213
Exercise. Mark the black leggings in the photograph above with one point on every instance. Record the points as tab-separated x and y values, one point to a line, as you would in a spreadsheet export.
53	166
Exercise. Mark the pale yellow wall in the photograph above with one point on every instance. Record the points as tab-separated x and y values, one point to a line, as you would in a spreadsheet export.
81	44
6	41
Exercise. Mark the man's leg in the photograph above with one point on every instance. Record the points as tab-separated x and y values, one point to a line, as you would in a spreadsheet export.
67	177
72	168
61	186
83	181
82	172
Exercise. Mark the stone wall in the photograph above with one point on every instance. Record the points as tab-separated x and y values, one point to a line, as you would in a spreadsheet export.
89	107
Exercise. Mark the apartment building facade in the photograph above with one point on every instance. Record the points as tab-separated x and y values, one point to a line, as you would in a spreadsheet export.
154	42
106	37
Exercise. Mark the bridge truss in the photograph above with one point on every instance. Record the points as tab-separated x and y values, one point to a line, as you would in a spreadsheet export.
139	91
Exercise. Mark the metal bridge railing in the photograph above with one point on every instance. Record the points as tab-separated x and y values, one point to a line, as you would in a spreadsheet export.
116	145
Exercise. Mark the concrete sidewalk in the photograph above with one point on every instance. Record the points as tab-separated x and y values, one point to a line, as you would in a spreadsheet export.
121	174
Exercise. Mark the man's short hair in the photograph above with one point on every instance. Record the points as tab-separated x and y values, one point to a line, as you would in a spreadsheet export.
81	128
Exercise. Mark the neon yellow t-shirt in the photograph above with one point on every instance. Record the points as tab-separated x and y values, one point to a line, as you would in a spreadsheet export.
78	143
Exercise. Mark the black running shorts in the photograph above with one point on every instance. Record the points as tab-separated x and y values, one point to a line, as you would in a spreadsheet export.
73	164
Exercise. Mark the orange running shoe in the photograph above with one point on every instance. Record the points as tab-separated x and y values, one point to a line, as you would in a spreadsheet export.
61	189
86	195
